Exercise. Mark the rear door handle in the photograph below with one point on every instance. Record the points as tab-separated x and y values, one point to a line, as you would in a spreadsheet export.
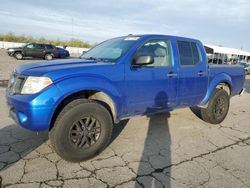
201	73
171	74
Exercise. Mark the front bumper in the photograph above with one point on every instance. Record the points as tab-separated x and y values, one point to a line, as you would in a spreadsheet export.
34	112
10	53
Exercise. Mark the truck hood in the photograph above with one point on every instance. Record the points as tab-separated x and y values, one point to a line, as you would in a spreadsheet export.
60	68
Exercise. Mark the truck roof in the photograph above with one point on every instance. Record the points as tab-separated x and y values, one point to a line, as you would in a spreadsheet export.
161	35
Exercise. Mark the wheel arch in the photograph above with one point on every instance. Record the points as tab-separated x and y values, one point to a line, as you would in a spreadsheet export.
226	86
97	95
222	81
19	51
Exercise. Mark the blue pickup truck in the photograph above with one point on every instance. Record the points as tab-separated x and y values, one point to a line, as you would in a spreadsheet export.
79	100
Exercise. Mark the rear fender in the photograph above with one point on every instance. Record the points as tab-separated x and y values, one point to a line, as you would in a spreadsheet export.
218	79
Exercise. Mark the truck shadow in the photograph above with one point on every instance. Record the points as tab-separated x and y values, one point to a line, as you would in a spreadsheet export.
197	111
118	129
157	149
16	143
157	153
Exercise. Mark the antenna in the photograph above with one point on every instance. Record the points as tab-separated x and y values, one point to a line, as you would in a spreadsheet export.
72	28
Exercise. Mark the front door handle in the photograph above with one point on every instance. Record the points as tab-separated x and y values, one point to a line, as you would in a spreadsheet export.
171	74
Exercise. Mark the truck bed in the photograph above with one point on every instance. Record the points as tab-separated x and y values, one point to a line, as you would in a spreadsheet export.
235	73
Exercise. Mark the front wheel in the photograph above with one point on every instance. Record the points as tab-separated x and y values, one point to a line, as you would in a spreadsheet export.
81	131
218	107
18	55
48	57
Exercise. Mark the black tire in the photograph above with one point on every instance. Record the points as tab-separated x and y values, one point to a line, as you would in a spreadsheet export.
65	136
217	108
48	57
18	55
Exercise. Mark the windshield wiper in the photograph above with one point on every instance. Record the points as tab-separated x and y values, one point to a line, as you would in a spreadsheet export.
96	59
89	58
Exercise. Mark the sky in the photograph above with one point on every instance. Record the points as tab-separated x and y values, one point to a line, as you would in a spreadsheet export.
217	22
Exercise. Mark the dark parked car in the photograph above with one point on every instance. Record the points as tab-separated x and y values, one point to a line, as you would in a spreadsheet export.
36	50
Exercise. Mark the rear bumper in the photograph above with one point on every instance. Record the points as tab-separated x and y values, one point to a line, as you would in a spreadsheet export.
34	112
62	55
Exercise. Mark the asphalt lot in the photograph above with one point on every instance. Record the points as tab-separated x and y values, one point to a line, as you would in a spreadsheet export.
174	149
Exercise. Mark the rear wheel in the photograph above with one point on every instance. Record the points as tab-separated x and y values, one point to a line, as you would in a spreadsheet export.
48	57
218	107
18	55
81	131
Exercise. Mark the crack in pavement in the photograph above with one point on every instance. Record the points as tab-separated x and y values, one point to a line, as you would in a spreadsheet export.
217	164
160	170
151	174
238	178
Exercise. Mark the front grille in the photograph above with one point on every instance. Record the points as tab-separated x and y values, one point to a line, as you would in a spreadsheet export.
15	84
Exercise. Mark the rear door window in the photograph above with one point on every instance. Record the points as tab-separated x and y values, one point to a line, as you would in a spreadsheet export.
188	52
196	57
49	47
39	46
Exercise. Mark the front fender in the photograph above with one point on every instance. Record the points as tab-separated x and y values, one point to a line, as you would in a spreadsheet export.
76	84
220	78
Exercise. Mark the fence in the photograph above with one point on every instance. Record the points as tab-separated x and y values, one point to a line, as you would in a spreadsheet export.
72	50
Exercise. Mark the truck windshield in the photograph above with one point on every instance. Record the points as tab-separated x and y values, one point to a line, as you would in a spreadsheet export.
110	50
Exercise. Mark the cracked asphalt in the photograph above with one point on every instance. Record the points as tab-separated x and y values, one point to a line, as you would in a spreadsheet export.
174	149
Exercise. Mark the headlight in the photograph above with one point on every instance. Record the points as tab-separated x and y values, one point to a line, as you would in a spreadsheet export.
11	50
34	84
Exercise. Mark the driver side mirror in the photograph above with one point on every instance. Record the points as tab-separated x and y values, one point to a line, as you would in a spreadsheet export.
143	60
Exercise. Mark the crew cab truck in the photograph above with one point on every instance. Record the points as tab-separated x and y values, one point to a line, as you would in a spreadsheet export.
79	100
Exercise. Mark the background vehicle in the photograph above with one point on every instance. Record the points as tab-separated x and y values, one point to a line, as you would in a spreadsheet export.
217	59
78	100
246	66
36	50
62	53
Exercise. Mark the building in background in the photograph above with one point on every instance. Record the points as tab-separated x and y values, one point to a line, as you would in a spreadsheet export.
223	55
